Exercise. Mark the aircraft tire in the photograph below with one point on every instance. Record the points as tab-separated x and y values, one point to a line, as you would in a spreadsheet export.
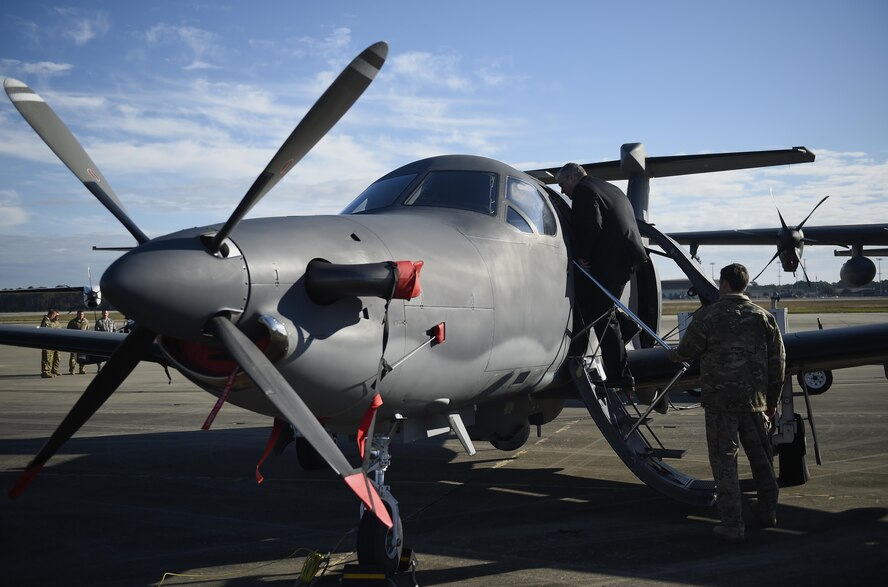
379	546
515	441
791	458
309	459
817	382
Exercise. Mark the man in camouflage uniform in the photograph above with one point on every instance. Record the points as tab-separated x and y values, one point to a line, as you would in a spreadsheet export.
49	359
105	324
742	364
77	323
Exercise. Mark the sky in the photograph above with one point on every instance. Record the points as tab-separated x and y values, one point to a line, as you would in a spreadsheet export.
182	104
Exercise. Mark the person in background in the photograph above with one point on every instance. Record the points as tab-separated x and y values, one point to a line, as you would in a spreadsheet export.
105	324
78	322
50	360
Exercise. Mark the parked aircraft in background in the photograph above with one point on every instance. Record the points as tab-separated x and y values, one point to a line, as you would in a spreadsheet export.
858	271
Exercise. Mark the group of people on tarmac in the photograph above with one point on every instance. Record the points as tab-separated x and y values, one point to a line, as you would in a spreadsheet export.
738	344
50	360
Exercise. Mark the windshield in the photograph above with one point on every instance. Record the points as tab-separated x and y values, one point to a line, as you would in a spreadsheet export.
379	194
467	190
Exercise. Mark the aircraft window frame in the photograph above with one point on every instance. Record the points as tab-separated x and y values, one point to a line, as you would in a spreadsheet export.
518	219
455	199
536	210
396	184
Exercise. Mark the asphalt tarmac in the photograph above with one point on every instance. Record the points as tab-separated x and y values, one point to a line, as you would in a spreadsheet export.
141	496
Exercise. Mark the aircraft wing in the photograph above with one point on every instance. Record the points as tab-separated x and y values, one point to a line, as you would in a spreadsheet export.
839	235
809	350
87	342
688	164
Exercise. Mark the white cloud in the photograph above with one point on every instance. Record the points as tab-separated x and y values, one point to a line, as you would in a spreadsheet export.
12	213
83	29
430	69
196	47
40	68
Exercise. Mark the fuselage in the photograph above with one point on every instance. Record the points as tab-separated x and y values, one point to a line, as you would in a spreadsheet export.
495	272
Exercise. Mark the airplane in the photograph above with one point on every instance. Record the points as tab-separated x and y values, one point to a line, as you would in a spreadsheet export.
91	295
440	300
856	272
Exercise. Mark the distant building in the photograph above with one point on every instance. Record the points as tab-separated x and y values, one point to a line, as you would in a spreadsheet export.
675	289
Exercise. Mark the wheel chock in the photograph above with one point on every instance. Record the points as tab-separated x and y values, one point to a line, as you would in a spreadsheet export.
408	560
359	575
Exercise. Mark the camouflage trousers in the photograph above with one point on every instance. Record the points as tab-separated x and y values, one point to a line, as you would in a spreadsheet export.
50	361
73	364
725	432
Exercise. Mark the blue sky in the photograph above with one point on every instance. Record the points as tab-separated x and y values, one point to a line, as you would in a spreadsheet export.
182	104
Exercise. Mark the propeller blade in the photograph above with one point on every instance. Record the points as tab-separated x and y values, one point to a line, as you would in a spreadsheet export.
766	266
325	113
119	366
265	375
799	227
805	273
779	215
57	137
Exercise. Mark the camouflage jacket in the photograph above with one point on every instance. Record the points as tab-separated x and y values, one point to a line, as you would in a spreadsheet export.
75	324
47	323
741	354
106	325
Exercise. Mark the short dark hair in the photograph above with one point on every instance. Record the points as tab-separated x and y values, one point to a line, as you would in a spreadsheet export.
736	275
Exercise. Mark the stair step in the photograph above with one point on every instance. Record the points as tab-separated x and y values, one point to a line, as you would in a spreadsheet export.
665	453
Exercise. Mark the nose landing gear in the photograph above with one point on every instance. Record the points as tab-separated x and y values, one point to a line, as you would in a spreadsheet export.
378	545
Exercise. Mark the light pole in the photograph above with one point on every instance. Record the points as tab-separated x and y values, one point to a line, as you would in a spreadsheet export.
879	259
712	270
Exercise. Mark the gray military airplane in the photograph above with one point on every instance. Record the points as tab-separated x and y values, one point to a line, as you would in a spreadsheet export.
857	271
323	322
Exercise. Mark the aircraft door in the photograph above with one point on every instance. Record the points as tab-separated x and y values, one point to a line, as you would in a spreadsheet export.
529	268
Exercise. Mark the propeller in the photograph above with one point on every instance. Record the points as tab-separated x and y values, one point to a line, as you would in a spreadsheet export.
790	243
135	346
326	112
287	401
57	137
216	285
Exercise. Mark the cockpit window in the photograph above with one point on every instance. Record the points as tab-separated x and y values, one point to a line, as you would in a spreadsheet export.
379	194
527	198
518	221
467	190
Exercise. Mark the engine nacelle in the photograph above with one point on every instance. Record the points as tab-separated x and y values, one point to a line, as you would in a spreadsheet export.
858	271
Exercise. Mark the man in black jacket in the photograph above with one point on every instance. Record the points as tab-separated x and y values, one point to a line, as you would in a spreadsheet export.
607	243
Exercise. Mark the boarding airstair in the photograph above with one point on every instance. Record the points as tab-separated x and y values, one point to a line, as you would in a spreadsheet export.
627	428
635	442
